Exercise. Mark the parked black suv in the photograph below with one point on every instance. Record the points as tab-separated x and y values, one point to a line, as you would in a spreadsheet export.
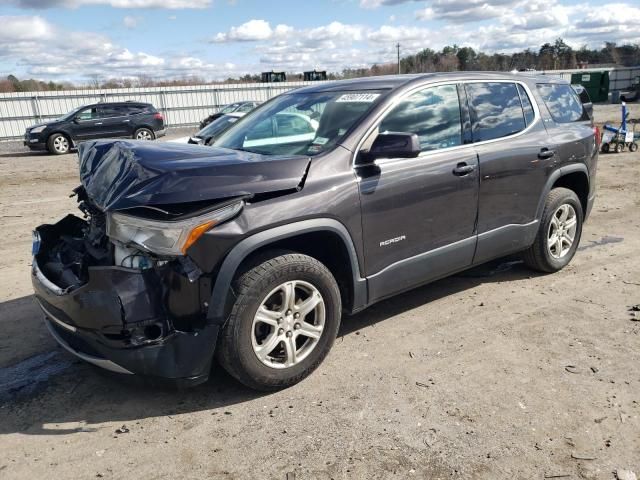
253	249
101	120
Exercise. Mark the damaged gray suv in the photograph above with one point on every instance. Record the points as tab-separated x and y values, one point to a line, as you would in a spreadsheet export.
320	202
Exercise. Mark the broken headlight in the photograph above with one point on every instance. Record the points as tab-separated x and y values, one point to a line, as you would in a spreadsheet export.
166	237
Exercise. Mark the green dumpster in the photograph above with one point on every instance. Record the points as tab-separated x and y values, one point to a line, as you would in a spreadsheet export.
595	83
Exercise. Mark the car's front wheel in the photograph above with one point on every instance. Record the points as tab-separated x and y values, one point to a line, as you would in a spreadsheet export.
283	323
58	144
559	232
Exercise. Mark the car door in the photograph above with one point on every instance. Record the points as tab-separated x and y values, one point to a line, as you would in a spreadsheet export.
515	155
114	120
419	214
87	124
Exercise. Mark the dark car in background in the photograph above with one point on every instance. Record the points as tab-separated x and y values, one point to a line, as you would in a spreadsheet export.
140	121
237	107
208	134
321	202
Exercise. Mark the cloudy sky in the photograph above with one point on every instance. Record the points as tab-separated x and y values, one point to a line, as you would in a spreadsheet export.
82	39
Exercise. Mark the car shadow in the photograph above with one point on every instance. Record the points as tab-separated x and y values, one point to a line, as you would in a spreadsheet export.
24	154
53	393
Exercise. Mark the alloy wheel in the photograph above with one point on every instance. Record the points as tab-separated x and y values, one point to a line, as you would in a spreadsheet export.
288	324
61	144
562	231
143	135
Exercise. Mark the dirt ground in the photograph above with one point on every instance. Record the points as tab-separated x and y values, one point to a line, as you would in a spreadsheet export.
497	373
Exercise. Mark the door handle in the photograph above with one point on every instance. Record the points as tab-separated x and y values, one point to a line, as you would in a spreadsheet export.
98	123
545	153
463	169
126	121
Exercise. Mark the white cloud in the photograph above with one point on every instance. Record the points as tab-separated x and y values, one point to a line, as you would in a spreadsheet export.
82	55
252	30
168	4
378	3
130	22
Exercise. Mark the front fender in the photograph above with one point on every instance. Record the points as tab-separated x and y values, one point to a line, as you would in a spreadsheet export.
222	287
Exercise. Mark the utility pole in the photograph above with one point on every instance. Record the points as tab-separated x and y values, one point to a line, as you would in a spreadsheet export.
398	48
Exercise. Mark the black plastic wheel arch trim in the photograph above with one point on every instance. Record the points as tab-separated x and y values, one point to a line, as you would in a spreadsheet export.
217	306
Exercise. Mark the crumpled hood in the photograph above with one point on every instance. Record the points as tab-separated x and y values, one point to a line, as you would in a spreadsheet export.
119	174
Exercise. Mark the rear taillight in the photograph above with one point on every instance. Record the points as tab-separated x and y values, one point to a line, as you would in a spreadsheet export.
158	116
596	132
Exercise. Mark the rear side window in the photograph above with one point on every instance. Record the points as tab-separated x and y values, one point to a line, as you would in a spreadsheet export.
527	108
137	109
562	102
108	111
496	110
433	114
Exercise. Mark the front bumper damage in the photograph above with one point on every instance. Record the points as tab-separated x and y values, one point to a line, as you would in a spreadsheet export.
148	321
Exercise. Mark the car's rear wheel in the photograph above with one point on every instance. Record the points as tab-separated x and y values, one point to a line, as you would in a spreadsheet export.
58	144
283	323
559	233
144	134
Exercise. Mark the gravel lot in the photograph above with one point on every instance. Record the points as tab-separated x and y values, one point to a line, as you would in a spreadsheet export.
495	373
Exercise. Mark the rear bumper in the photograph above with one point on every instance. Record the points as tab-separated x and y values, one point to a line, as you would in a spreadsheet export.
129	321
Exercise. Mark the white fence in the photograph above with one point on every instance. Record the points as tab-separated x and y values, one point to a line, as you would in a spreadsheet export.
181	106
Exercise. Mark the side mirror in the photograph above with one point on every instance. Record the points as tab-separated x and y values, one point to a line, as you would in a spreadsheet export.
394	145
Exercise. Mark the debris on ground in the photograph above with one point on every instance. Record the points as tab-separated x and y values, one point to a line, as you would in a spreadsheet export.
581	456
122	429
572	369
622	474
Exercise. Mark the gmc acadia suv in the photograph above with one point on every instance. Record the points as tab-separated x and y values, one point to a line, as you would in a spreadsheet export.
320	202
103	120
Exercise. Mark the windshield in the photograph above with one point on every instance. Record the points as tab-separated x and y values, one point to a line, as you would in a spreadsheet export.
71	114
216	127
230	108
299	123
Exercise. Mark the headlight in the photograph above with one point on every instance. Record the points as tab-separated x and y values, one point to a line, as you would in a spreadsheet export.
38	129
166	238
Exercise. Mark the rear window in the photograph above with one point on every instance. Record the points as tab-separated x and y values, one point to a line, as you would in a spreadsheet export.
496	110
562	101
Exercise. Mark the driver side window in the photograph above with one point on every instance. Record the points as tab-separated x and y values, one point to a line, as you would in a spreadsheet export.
88	114
432	113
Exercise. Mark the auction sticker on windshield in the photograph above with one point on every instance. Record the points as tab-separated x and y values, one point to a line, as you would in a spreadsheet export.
357	97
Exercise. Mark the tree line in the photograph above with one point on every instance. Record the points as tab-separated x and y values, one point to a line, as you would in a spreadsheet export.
550	56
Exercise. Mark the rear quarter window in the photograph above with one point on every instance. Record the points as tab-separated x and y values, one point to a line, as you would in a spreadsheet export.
496	110
562	101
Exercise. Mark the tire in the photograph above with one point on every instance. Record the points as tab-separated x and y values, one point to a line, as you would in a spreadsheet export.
244	334
58	144
545	255
144	134
619	147
633	147
605	148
